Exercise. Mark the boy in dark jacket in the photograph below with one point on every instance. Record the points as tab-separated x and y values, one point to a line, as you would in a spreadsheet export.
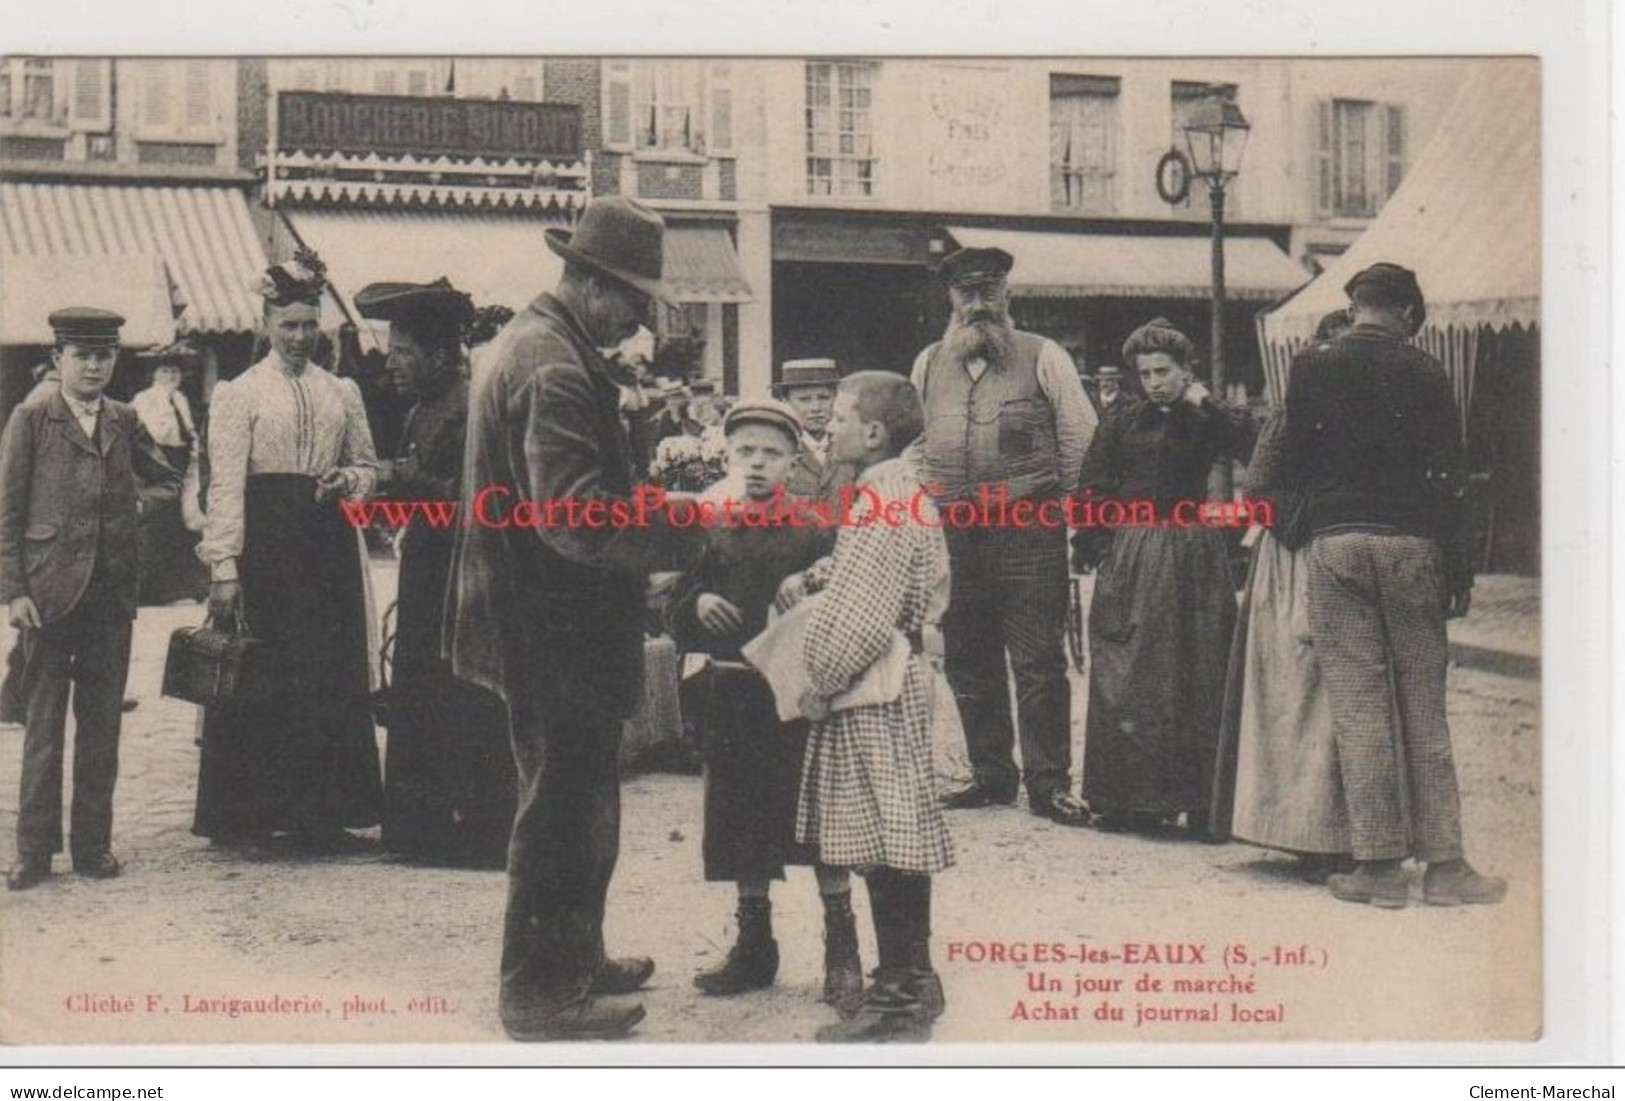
753	761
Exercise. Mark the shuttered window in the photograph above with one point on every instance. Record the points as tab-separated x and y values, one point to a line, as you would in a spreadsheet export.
1360	150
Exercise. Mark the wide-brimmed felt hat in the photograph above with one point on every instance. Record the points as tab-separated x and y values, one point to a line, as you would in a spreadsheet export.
620	238
975	265
86	326
807	372
416	304
768	411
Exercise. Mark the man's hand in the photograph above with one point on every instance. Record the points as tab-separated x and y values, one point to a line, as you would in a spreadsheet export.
1458	598
813	706
331	486
792	591
225	601
23	613
718	615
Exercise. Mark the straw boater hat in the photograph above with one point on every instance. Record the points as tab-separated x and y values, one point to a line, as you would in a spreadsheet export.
806	372
620	238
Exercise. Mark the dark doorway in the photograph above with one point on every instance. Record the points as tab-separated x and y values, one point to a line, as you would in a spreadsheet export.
867	316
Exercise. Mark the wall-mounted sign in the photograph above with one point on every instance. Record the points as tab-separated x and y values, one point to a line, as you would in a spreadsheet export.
325	121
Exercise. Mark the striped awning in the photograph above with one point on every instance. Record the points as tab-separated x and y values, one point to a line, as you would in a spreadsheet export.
133	285
700	264
202	234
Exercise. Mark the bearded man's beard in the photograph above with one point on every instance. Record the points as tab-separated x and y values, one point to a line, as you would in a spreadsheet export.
988	338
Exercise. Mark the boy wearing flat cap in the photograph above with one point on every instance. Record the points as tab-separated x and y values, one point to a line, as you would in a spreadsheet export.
68	482
753	761
1372	440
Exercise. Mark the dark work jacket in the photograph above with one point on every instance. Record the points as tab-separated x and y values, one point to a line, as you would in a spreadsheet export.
1140	453
555	612
1373	438
68	507
744	566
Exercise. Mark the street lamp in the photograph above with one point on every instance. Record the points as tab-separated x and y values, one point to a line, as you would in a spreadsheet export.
1216	135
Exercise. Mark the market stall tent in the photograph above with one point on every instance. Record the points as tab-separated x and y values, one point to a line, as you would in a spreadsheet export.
1466	219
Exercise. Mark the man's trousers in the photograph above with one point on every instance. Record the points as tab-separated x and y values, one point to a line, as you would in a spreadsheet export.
1008	593
1377	617
86	652
566	838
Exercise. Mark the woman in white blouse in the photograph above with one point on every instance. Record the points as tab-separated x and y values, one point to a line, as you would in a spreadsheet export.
287	441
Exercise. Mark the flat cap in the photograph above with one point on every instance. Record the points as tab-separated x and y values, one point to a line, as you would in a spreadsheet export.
86	326
768	411
808	372
1395	284
975	265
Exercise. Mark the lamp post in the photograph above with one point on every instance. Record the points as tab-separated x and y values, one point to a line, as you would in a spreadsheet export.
1216	136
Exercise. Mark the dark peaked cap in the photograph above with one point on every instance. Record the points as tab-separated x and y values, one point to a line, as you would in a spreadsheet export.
1392	283
86	326
975	265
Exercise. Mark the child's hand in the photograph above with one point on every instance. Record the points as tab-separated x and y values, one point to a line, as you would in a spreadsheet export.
23	613
813	707
792	591
717	615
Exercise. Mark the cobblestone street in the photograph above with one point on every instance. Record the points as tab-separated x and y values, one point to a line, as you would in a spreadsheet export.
396	952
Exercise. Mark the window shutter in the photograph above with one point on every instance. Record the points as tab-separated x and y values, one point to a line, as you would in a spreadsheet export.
618	104
89	109
383	81
1394	144
722	109
1325	168
199	98
157	96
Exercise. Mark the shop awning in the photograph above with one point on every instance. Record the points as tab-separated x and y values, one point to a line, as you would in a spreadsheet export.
133	284
202	234
701	265
498	260
1088	265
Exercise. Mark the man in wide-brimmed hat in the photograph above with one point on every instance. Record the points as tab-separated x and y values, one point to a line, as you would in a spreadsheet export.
1006	416
808	386
551	617
1372	438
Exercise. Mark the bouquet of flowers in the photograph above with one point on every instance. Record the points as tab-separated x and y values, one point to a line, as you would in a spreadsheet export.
689	464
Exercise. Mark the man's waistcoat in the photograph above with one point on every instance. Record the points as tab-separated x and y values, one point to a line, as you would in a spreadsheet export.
995	430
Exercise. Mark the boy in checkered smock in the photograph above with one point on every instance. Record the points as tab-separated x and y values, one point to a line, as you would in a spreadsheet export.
868	799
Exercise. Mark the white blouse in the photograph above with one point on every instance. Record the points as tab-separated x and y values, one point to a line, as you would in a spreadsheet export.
274	420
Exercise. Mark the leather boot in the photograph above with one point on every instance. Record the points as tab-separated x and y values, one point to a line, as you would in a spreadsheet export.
843	971
753	961
888	1012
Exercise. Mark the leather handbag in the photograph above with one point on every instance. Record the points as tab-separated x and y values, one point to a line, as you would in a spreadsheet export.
211	665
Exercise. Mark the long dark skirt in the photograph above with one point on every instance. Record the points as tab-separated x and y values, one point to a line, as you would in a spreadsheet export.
1160	627
450	783
306	760
752	782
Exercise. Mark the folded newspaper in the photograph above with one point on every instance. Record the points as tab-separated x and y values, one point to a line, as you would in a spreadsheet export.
778	654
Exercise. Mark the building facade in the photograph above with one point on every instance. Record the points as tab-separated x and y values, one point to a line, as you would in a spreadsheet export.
122	185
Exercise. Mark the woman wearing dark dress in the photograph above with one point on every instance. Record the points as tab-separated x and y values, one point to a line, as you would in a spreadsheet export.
287	440
1164	603
450	784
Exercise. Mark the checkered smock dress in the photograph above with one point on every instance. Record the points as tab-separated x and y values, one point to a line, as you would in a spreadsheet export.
868	796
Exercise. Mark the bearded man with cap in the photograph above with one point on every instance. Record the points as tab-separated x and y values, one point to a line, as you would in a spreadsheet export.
1005	414
69	502
551	617
449	780
1373	440
808	386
